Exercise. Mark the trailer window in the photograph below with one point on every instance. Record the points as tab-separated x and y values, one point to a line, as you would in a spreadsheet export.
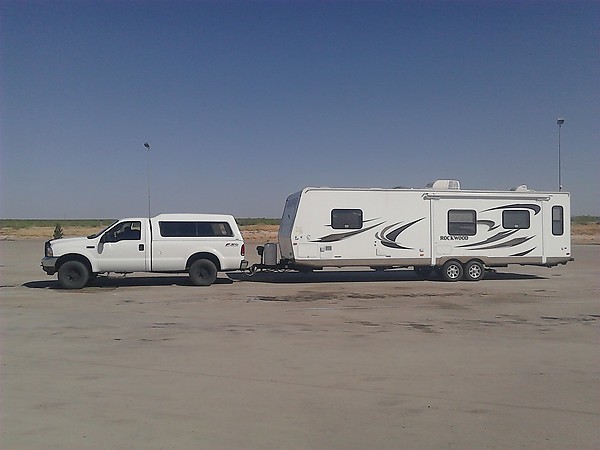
462	222
515	220
195	229
346	219
558	224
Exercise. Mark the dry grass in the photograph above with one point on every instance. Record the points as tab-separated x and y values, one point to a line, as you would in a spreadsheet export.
581	234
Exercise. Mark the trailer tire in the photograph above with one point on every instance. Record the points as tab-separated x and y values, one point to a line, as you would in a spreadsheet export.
474	270
452	271
73	275
203	272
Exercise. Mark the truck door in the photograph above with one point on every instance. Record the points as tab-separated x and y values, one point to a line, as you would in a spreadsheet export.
123	248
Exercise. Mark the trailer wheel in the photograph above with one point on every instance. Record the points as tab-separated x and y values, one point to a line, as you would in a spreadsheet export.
73	275
203	272
452	271
474	270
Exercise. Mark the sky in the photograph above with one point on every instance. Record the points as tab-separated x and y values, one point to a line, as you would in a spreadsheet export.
243	103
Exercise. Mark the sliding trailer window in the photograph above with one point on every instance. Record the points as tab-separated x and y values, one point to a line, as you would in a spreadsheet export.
346	219
558	221
462	222
515	220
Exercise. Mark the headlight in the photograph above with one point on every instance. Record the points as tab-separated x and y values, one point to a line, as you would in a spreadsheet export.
48	249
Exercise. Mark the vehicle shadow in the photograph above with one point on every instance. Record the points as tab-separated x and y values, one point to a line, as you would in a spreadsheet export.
361	276
116	282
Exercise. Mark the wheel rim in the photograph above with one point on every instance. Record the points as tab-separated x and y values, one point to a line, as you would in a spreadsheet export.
474	271
73	275
453	271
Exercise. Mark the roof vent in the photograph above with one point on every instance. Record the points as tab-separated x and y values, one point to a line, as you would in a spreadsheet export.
521	188
445	185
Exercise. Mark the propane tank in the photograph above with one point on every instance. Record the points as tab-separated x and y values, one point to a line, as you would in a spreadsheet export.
270	254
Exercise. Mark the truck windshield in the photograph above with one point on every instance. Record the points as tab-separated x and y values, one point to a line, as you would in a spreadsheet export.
94	236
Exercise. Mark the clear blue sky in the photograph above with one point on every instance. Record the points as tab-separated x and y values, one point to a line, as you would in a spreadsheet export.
245	102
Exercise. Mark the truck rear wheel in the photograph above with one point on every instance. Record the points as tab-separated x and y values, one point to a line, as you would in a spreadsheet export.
452	271
73	275
203	272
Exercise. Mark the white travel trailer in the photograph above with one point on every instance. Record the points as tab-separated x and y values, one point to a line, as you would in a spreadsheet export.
457	232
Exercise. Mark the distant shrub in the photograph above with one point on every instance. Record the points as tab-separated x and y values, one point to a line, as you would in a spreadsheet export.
584	220
58	231
257	221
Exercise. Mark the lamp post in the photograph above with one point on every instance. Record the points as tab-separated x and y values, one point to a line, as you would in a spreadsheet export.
148	148
560	121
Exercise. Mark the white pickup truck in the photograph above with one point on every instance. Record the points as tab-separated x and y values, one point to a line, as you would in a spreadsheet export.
199	244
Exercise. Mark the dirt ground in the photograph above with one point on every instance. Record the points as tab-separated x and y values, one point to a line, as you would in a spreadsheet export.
340	359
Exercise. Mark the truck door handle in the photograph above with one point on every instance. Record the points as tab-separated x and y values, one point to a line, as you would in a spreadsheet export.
141	247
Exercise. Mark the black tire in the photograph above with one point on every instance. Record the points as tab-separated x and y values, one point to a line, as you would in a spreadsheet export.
452	271
73	275
203	272
474	271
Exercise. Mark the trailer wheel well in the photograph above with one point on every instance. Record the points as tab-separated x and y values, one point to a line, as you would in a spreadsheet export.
203	255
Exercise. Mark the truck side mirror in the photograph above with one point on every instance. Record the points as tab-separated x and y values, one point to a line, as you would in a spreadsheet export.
106	237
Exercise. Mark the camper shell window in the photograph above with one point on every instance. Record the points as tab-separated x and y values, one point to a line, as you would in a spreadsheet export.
195	229
346	219
515	220
558	224
462	222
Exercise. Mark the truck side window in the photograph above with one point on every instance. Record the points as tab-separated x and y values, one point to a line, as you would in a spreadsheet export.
515	220
462	222
558	224
125	231
346	219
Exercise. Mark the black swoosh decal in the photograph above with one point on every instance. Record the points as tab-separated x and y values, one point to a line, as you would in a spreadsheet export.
494	238
535	208
394	234
524	253
394	245
388	240
511	243
339	236
490	223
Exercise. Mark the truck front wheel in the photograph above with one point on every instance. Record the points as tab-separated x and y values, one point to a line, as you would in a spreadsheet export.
203	272
73	275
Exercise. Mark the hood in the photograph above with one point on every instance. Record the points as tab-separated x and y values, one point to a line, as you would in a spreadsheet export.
66	245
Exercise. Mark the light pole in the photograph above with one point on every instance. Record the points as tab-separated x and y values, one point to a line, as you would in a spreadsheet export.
560	121
148	148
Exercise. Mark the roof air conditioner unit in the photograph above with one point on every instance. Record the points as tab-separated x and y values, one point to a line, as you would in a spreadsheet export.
445	185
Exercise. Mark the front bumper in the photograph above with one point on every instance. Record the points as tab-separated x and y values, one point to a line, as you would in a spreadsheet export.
49	265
